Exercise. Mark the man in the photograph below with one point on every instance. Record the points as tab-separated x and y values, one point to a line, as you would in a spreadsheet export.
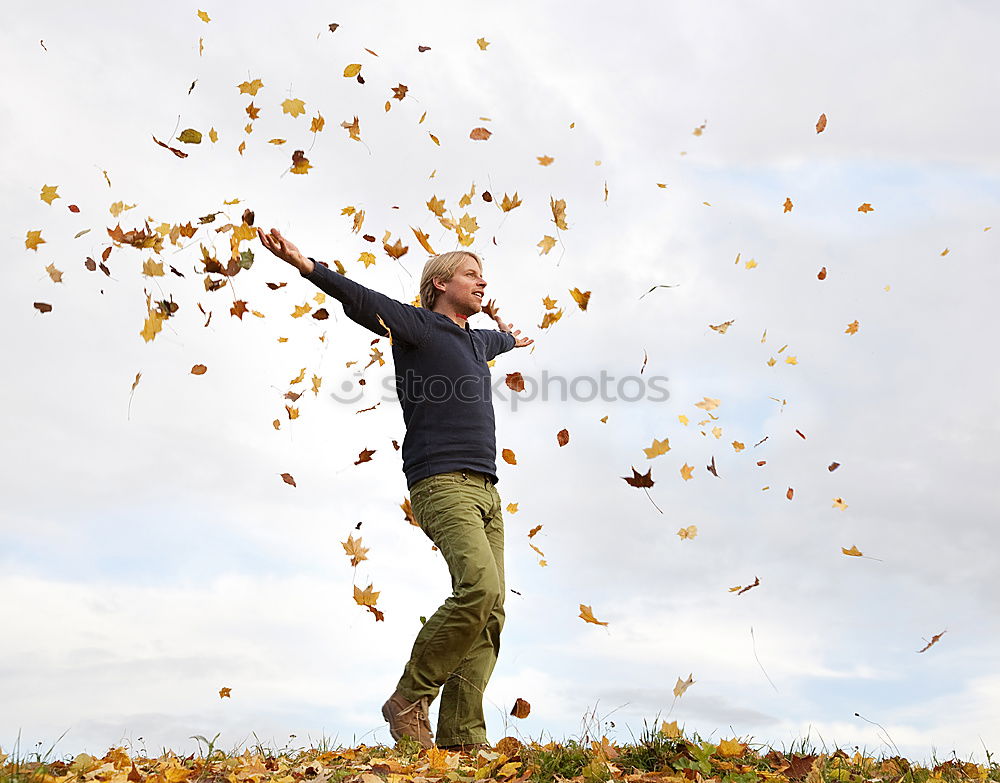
449	458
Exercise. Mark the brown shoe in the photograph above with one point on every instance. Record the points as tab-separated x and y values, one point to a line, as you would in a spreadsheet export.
409	719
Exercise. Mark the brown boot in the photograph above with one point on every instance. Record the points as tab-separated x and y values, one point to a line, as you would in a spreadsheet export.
409	718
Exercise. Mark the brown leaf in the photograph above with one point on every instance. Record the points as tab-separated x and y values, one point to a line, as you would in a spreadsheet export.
238	309
199	369
287	478
176	152
508	457
821	123
408	512
480	134
933	640
711	467
515	381
321	315
639	479
43	307
822	274
423	48
833	466
562	437
521	708
364	456
789	493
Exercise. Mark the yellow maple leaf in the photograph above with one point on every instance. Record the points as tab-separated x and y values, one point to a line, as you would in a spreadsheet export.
852	327
544	160
588	615
301	310
853	551
468	223
250	87
483	43
866	207
546	244
300	377
203	15
317	124
670	730
467	197
213	135
436	206
293	413
153	323
316	383
751	264
686	471
659	447
224	693
737	446
838	503
792	360
582	297
48	194
682	685
353	128
367	259
54	273
559	212
683	419
352	70
731	748
721	328
354	550
688	532
788	205
293	106
512	508
359	219
508	203
300	164
550	318
550	304
708	404
423	238
365	597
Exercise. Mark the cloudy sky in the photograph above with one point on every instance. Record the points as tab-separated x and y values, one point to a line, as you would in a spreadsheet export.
150	553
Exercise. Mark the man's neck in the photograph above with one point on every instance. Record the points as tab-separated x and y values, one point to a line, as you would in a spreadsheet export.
460	319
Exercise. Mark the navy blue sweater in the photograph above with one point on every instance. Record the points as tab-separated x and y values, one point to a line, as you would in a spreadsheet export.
442	379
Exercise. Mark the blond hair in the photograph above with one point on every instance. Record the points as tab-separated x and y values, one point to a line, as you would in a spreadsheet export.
443	267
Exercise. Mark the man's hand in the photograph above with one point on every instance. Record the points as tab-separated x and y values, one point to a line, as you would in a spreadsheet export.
492	311
285	250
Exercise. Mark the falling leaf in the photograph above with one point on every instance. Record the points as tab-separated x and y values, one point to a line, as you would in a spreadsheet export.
300	163
43	307
33	240
788	205
368	259
546	244
833	466
587	614
364	456
352	70
521	708
708	404
682	685
562	437
224	693
686	471
740	589
515	381
821	123
54	274
853	551
434	138
190	136
688	532
483	43
508	457
670	730
480	134
721	328
822	274
866	207
659	447
287	478
559	213
48	194
582	297
638	479
408	511
199	369
852	328
839	504
789	493
354	550
933	641
508	203
204	16
353	128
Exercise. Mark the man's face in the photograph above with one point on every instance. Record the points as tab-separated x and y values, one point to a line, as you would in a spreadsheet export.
466	289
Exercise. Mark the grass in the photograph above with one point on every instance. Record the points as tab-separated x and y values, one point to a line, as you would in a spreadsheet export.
654	756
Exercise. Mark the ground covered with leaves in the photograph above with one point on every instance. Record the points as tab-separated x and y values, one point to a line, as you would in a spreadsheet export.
655	758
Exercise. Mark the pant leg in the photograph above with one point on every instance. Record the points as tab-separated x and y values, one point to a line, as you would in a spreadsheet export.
452	511
460	717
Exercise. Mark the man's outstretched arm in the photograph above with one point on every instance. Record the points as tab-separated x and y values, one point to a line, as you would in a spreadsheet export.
362	305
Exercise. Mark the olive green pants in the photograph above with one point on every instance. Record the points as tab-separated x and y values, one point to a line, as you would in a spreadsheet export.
457	647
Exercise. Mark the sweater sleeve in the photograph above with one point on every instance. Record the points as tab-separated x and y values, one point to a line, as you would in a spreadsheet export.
497	342
365	306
